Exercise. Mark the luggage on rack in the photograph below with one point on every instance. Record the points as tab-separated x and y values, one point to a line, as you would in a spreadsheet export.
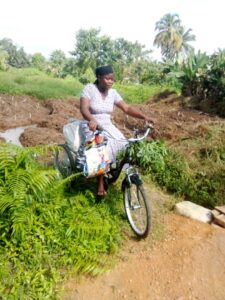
74	133
89	148
93	157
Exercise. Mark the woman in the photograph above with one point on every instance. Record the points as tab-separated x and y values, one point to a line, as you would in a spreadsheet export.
96	105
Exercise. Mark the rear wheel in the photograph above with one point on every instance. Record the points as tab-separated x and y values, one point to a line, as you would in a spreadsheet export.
138	209
64	160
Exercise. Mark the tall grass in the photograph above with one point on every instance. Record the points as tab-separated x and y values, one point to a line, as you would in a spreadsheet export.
38	84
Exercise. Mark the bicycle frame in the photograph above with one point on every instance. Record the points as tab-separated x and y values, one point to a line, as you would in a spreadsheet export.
136	201
133	177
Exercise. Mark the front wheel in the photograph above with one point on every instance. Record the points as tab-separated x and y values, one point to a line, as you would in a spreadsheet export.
138	209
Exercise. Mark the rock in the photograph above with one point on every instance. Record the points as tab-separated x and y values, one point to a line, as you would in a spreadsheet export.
220	209
220	220
194	211
215	213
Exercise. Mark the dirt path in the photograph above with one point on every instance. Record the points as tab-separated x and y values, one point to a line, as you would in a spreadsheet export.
188	264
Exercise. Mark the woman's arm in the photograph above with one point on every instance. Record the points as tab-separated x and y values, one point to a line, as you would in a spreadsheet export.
133	112
85	111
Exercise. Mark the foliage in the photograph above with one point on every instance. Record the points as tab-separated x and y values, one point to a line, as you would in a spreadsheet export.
215	83
56	63
16	56
172	170
45	231
131	61
70	68
38	61
3	59
172	37
193	73
87	77
203	76
36	83
92	50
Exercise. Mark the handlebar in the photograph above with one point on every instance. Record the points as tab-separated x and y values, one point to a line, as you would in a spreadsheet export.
149	127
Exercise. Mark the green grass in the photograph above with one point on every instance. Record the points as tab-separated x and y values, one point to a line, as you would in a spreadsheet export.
140	93
38	84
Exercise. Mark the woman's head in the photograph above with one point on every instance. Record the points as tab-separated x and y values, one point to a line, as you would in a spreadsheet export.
104	76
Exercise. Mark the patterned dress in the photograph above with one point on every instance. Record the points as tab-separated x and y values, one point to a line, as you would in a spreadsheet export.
101	108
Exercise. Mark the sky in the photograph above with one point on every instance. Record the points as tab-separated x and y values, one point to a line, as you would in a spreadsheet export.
48	25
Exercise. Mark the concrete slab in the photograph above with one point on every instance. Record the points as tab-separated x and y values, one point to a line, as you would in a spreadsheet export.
194	211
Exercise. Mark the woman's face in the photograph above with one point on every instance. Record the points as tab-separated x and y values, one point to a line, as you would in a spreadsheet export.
106	81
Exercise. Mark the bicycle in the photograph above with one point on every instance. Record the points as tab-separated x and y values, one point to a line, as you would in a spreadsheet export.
137	204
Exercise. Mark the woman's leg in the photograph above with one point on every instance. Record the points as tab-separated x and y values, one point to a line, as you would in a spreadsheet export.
101	189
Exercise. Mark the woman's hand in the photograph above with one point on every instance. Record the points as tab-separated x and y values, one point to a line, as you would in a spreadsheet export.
149	120
93	124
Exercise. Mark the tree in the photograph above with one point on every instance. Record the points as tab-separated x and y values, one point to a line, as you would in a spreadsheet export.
38	61
186	37
94	50
70	67
17	57
3	59
172	37
57	62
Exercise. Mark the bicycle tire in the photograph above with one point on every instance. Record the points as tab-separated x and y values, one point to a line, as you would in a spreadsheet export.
137	202
64	160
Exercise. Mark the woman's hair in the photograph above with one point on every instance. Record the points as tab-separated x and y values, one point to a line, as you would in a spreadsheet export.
104	70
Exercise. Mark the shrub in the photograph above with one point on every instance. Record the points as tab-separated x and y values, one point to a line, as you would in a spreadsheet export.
171	170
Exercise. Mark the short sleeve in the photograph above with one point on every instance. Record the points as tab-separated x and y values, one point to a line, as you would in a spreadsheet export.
117	97
86	93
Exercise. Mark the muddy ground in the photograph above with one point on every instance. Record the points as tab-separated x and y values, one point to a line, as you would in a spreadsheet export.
189	262
174	119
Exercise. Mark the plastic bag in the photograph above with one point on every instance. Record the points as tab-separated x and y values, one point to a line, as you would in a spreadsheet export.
73	134
92	157
97	161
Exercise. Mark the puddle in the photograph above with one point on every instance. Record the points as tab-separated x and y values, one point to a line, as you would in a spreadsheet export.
12	135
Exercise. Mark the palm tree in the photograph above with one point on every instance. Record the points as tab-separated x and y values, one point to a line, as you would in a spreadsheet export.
186	37
172	37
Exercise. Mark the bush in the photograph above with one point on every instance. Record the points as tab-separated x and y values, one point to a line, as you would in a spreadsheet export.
170	169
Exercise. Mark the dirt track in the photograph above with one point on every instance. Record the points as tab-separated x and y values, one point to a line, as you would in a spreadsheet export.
189	263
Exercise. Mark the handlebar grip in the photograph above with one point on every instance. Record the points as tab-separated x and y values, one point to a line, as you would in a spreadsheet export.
149	125
100	128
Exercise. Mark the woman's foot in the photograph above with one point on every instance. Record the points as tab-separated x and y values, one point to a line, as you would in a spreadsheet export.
102	193
101	189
